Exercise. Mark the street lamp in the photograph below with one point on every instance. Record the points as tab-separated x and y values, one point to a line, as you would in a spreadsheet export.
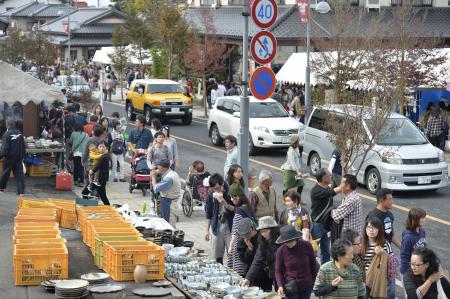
323	8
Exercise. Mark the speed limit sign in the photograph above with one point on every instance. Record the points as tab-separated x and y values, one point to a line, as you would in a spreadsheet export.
264	13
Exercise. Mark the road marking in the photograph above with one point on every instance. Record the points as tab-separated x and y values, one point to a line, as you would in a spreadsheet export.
371	198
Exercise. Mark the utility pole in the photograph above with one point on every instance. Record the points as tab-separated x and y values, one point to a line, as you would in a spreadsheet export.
244	114
308	102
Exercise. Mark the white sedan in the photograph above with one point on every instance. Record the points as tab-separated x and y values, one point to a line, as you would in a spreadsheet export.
269	124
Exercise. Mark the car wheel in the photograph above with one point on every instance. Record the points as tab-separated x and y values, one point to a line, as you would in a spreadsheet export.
314	163
187	120
251	146
373	181
148	115
130	114
216	139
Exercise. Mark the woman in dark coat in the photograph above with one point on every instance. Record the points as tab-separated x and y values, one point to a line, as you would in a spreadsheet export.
103	167
262	270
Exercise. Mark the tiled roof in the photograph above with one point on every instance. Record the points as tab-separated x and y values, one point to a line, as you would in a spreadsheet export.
37	9
4	20
89	41
229	22
96	29
79	16
53	10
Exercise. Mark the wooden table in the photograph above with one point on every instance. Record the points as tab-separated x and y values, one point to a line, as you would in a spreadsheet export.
45	150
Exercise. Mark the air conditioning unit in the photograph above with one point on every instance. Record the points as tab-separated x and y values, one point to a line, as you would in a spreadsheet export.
372	4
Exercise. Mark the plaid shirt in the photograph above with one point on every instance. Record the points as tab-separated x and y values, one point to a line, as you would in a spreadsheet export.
435	124
350	210
351	287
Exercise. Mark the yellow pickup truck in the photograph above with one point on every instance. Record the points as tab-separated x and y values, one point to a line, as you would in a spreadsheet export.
159	98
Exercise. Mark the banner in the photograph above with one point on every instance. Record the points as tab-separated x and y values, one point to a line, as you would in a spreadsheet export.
66	27
302	8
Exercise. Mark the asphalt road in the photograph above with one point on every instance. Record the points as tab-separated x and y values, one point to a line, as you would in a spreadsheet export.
194	144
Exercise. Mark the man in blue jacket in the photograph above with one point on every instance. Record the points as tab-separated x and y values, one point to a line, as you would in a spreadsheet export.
219	211
13	150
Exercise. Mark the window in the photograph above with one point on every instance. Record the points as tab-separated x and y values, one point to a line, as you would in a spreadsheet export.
136	87
318	120
227	106
236	108
163	88
235	2
207	2
30	25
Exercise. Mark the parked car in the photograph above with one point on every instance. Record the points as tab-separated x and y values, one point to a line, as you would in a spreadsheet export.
158	98
269	124
80	87
402	158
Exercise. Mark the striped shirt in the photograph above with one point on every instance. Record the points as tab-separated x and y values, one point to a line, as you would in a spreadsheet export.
350	210
371	252
351	287
235	261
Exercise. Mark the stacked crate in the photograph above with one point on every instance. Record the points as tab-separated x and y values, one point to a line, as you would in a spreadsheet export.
66	211
117	246
40	253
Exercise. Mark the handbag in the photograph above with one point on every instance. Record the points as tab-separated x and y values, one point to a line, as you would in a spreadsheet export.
291	288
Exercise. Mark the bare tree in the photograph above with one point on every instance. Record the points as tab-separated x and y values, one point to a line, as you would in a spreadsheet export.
13	50
207	53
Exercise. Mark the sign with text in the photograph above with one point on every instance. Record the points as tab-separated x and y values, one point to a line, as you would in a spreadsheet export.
264	13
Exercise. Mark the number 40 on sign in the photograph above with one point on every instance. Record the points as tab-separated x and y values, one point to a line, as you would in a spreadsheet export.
264	13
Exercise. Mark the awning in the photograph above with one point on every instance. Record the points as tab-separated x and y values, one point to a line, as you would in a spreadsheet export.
103	56
293	71
17	86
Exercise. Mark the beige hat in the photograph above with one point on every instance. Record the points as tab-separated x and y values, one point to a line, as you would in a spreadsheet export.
266	222
293	138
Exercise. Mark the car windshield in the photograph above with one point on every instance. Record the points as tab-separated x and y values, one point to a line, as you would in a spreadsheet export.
163	88
399	131
267	110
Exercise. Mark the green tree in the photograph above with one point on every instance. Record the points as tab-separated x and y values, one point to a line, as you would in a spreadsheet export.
171	33
138	30
159	70
120	58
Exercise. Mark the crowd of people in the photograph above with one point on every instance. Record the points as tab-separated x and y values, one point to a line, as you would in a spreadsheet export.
279	250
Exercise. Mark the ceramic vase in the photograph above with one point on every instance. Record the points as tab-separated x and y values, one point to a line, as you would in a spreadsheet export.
140	273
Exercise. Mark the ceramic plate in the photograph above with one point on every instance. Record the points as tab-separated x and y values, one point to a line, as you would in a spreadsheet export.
95	276
71	284
162	283
152	292
109	288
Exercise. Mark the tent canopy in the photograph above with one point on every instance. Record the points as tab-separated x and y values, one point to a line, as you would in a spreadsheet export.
103	56
17	86
293	71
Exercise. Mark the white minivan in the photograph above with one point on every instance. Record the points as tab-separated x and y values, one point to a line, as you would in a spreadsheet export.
403	159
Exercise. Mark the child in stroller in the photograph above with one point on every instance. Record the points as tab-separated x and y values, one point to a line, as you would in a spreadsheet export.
140	173
195	192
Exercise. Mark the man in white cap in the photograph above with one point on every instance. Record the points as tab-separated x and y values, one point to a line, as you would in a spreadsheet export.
263	198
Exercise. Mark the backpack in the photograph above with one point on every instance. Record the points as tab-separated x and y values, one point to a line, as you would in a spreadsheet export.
117	147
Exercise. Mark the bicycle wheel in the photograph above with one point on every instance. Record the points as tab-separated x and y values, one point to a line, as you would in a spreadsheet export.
187	203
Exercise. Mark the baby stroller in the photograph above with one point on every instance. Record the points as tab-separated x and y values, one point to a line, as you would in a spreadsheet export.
140	173
194	193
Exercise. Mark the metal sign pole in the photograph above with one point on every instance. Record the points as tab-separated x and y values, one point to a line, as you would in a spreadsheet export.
244	119
308	102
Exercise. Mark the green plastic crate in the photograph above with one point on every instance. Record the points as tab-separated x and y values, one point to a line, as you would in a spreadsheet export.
98	256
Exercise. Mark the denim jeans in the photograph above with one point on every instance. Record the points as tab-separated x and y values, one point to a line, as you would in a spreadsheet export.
303	293
322	233
164	206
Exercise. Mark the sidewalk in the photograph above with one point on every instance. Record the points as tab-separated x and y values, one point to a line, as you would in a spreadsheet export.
194	226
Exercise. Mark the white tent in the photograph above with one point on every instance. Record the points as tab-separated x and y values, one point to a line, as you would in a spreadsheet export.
17	86
293	71
103	56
